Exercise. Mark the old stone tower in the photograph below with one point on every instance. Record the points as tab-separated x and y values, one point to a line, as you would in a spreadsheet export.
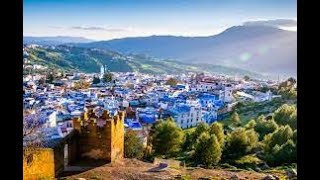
100	136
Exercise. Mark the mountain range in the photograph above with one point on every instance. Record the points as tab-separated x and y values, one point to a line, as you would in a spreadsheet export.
78	59
259	46
54	40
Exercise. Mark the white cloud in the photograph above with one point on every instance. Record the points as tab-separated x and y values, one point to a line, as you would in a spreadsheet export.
289	28
275	22
97	28
105	32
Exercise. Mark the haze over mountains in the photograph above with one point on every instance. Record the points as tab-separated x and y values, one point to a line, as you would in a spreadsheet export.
55	40
259	46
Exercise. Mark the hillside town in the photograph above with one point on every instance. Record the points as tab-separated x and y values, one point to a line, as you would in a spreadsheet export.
192	99
73	117
159	91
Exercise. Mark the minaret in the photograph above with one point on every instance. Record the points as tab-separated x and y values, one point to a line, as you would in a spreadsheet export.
101	71
105	68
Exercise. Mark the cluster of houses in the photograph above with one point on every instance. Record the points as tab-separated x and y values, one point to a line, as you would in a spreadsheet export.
145	98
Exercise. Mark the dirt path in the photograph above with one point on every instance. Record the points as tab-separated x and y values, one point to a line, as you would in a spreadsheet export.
131	169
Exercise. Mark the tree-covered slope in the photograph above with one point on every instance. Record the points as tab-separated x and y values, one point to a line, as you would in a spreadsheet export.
89	60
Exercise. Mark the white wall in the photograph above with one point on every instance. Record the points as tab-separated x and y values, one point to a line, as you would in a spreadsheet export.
189	119
52	119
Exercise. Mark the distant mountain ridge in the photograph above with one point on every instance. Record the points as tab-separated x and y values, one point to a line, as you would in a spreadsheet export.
89	60
260	48
54	40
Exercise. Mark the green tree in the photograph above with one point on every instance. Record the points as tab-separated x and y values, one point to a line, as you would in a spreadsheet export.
264	89
133	146
287	89
293	120
282	154
62	74
288	84
50	77
108	77
172	82
280	146
42	81
208	150
217	130
279	137
96	80
202	127
295	136
292	80
235	119
251	124
239	142
288	93
167	138
264	127
246	78
286	114
188	142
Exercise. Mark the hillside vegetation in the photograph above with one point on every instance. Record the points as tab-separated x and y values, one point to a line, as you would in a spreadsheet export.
89	60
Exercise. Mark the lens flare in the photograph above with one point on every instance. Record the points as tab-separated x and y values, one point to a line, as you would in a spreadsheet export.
245	56
263	50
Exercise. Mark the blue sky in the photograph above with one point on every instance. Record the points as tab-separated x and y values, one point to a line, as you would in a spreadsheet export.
109	19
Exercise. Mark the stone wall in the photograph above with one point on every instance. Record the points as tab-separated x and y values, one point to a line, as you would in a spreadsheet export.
100	142
58	158
117	137
39	164
43	163
88	141
72	149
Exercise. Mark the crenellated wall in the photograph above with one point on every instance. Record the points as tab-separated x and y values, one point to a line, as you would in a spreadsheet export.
93	138
100	138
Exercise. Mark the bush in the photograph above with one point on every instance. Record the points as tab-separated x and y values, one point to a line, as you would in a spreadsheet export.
251	124
264	127
133	145
286	114
279	147
248	161
239	143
